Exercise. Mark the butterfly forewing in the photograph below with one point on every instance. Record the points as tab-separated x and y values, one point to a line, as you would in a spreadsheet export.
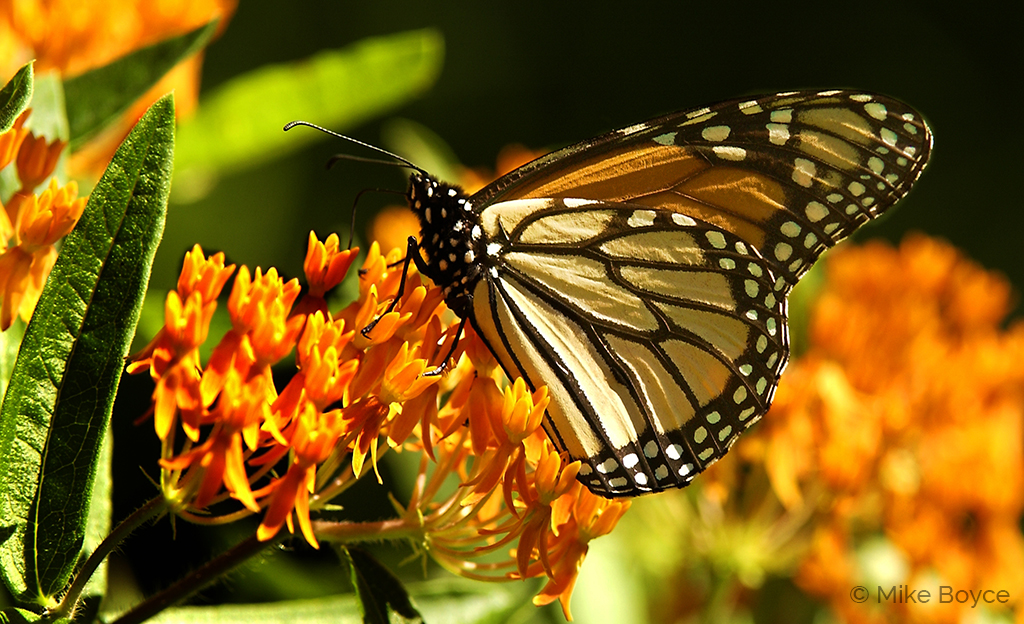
791	174
642	275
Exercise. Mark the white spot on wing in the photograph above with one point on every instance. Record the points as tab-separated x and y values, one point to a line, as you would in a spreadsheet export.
641	218
726	152
669	138
716	133
750	108
815	211
778	133
683	220
876	110
716	239
803	172
631	129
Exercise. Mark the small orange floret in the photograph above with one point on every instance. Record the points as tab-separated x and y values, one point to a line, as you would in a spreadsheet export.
37	159
10	141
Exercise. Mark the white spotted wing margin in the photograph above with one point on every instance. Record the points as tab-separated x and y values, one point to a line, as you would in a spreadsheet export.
660	337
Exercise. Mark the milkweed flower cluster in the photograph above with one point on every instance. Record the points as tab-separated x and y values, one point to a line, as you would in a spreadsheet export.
517	510
31	223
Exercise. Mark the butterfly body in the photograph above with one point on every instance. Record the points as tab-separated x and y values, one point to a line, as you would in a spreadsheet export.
451	241
643	275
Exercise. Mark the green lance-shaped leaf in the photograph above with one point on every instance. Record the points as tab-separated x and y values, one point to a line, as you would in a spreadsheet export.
99	96
15	96
239	125
60	396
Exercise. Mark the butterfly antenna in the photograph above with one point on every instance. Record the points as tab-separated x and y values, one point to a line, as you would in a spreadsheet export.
380	150
352	158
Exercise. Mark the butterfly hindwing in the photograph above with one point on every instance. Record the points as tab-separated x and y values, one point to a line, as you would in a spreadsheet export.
660	337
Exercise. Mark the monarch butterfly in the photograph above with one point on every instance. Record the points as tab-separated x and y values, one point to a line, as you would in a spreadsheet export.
643	275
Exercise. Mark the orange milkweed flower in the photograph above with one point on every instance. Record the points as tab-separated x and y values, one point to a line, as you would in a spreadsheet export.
588	516
172	357
312	442
325	266
10	141
262	332
286	454
24	267
37	159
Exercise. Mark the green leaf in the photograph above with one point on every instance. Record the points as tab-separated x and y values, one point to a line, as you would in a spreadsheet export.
382	596
449	600
15	96
240	124
56	412
98	97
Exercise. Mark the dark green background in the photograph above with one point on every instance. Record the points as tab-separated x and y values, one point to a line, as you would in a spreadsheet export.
546	74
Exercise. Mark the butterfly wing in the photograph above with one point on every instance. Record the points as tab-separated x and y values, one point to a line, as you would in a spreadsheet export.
791	174
643	275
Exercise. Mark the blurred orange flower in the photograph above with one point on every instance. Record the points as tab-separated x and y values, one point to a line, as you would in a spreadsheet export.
897	437
74	37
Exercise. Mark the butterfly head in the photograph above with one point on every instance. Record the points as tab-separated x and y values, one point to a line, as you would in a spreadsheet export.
450	238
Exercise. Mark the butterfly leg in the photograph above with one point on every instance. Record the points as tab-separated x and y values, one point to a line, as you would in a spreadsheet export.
443	366
412	253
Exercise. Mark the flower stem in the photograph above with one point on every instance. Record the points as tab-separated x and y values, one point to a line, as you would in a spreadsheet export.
150	510
348	532
198	579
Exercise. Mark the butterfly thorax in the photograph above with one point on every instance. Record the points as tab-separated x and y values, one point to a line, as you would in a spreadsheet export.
450	239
